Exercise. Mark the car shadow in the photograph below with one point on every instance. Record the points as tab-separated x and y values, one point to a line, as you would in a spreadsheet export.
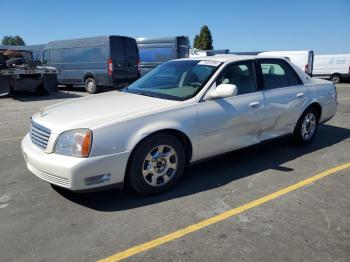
216	172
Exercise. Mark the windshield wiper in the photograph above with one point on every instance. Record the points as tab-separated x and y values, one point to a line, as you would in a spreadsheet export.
144	94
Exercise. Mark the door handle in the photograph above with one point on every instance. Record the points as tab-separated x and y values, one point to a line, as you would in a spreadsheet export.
254	104
300	95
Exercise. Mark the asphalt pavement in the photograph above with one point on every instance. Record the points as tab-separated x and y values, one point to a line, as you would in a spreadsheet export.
39	222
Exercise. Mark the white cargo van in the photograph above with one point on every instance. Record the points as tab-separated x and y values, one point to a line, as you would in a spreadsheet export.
303	59
333	67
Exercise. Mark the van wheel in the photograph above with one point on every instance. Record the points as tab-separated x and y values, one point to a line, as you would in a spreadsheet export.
335	78
306	128
90	86
156	165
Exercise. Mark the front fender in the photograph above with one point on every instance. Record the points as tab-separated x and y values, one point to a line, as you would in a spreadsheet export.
124	136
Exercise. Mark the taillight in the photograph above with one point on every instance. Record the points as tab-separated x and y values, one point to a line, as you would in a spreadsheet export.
110	67
306	68
349	70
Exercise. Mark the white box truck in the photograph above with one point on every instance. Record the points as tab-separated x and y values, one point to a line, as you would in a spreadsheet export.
303	59
333	67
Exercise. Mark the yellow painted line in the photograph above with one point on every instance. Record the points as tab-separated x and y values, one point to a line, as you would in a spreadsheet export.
11	138
215	219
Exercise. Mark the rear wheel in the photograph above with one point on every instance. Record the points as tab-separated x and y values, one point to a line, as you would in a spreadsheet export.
306	127
335	78
91	86
156	165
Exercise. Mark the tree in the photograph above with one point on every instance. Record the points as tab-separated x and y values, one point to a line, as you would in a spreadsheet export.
12	40
204	40
195	41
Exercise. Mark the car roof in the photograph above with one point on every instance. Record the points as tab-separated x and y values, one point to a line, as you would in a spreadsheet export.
226	57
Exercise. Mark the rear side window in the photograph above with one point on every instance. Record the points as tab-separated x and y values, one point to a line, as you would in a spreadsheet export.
131	52
157	54
78	55
277	73
242	75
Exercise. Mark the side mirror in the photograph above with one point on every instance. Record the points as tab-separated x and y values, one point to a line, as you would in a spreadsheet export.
222	91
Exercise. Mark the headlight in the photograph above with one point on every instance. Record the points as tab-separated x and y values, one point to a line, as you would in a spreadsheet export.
75	142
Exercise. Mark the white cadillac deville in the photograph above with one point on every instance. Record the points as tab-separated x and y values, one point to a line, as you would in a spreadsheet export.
181	112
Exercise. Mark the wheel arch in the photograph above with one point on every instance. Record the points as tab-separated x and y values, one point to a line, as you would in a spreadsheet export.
88	75
317	106
180	135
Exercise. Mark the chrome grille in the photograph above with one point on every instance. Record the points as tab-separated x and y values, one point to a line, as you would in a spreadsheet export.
39	135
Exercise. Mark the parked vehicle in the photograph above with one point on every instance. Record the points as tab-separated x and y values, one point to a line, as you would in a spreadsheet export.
95	61
303	59
333	67
196	52
156	51
18	72
36	50
181	112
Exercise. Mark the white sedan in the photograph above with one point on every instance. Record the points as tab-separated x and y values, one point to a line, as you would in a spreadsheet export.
181	112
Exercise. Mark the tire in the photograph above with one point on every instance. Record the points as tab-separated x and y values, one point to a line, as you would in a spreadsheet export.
91	86
335	78
152	169
306	128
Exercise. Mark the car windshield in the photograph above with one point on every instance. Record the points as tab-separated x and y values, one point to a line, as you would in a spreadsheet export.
175	80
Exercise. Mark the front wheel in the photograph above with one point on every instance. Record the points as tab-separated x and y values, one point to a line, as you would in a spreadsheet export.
306	127
156	165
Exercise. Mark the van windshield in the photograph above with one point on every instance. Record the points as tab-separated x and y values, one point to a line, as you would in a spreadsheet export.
175	80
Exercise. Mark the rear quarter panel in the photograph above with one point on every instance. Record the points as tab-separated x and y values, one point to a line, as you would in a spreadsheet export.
324	94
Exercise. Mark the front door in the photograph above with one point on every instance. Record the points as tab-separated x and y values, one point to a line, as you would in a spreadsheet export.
234	122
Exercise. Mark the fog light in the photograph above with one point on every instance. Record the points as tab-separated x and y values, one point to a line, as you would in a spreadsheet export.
93	180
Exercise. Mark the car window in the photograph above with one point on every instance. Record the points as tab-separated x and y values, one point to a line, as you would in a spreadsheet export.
45	57
157	54
78	55
240	74
176	80
277	73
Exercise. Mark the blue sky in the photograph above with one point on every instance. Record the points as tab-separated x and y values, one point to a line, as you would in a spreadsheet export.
239	25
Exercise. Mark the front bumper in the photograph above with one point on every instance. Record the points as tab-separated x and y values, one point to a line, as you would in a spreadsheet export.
71	172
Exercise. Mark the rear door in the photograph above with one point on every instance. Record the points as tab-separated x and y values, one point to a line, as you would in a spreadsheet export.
132	60
285	97
117	55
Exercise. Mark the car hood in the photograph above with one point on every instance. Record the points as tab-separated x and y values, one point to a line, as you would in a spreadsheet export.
95	110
